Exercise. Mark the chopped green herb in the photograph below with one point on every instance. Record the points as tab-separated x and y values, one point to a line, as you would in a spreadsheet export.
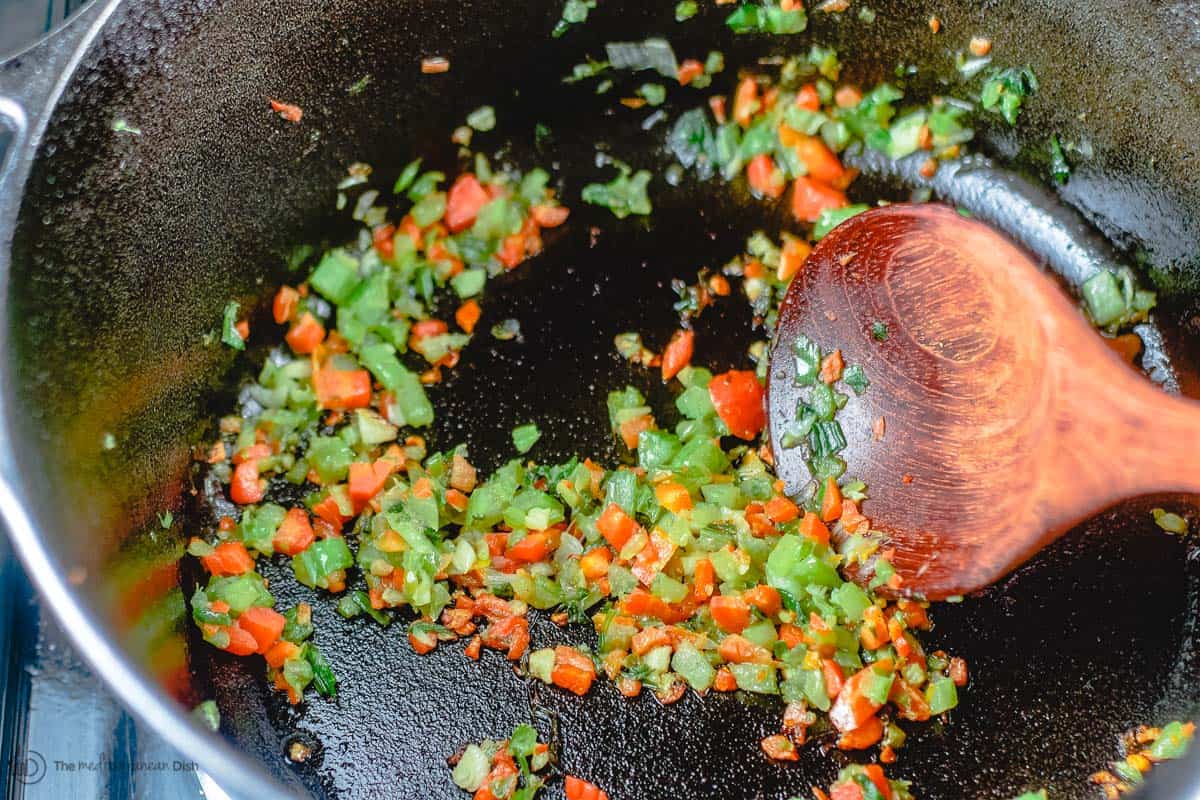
360	85
229	331
623	195
767	18
166	519
1060	169
1005	90
121	126
588	69
879	331
685	10
856	378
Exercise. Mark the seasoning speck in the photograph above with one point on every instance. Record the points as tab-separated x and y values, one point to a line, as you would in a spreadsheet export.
935	24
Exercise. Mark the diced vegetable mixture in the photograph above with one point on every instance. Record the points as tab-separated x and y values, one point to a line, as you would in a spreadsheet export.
695	568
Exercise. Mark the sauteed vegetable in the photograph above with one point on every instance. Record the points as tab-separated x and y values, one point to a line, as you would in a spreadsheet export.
695	569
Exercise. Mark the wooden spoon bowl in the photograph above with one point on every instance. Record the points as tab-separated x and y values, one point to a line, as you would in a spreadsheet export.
1006	418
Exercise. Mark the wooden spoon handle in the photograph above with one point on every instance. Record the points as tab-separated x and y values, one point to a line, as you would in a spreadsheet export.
1156	441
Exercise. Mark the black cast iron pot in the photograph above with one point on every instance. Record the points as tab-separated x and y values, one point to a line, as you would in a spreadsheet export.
120	249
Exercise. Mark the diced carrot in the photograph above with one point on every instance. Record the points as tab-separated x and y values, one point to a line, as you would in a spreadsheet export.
717	104
289	111
779	509
672	496
264	624
678	353
847	96
280	652
241	642
792	257
641	603
549	216
875	773
304	336
853	708
616	526
421	644
831	368
764	178
745	102
834	678
284	305
812	527
594	564
689	70
732	614
473	647
510	634
651	559
765	598
457	500
463	202
578	789
739	650
831	503
724	681
536	546
245	487
329	511
383	238
810	198
791	635
822	164
342	389
368	479
228	558
862	737
294	534
780	748
631	429
704	581
467	315
808	98
737	396
648	639
845	791
252	453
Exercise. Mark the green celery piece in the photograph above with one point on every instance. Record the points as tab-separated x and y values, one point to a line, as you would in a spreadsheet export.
1104	298
832	217
258	525
469	282
656	449
623	195
758	678
942	695
229	331
240	592
330	456
1172	742
524	437
314	565
336	276
693	667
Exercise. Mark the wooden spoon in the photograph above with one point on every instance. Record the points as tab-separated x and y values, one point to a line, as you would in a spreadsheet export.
1007	419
